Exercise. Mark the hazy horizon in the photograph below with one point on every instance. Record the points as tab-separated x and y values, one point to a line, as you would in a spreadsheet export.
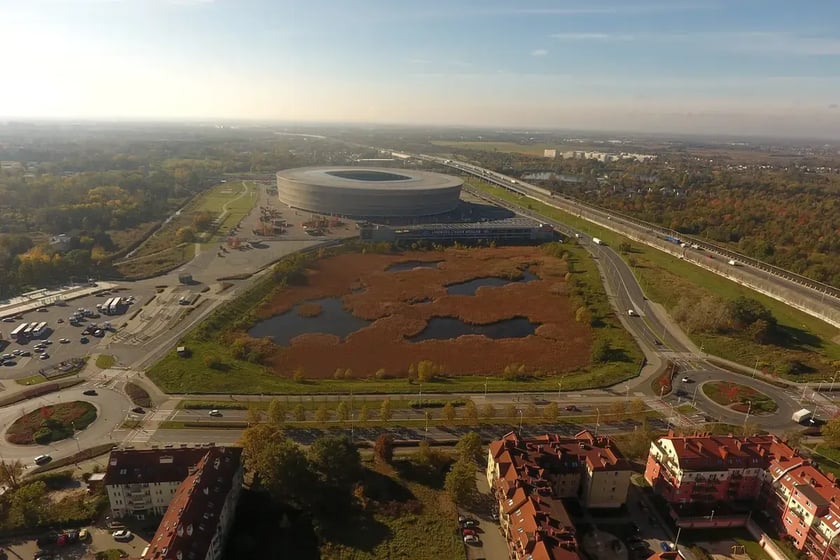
748	68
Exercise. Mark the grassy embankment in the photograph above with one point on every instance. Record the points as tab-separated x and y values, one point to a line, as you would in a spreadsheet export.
739	397
212	368
161	252
667	280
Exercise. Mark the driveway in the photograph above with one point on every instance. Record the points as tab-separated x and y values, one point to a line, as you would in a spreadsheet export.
100	540
493	544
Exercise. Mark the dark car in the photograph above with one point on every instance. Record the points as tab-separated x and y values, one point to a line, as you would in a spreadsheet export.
90	392
681	393
572	408
47	540
138	410
84	340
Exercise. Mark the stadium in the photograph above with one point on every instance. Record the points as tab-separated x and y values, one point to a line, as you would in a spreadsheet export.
368	192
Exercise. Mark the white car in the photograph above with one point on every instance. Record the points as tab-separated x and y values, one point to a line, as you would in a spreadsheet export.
686	380
121	535
64	340
214	412
471	539
631	312
45	356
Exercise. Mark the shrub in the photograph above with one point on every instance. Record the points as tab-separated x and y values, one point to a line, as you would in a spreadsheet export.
138	395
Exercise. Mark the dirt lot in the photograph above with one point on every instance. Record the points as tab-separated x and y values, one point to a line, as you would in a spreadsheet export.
401	303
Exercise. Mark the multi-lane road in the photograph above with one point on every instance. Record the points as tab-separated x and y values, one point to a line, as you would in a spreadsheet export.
660	339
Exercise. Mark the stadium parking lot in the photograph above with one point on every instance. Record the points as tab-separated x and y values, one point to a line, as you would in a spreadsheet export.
57	317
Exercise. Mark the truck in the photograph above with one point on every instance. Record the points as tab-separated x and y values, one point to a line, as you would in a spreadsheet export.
802	416
597	241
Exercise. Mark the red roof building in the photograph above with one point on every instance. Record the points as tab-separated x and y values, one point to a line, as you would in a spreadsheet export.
530	476
762	472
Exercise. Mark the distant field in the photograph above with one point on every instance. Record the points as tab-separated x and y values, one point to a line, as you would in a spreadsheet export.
507	147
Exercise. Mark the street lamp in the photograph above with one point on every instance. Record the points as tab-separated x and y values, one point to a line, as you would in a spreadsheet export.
747	417
520	421
627	393
755	368
597	421
694	396
559	390
485	387
833	379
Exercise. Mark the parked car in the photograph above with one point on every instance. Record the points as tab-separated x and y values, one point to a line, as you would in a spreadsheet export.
466	532
84	535
84	340
90	392
45	356
42	459
25	353
122	535
666	547
469	524
59	320
64	340
472	539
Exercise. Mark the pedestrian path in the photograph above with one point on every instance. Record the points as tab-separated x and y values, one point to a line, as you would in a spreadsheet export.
151	423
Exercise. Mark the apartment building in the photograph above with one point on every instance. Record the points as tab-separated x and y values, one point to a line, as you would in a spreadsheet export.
530	476
763	473
201	512
141	482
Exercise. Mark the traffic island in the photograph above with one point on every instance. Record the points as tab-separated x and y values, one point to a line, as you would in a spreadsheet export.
51	423
739	398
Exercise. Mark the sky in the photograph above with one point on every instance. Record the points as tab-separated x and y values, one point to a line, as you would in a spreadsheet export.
742	67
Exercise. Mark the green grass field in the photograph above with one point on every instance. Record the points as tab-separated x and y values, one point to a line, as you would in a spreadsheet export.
161	252
666	279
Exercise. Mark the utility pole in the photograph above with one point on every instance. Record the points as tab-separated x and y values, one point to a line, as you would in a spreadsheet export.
559	390
747	417
485	387
520	421
597	421
755	368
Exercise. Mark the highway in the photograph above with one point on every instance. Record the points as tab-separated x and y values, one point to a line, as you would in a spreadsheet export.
815	298
656	334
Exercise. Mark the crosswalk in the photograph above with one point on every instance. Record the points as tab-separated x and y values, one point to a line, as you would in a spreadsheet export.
149	426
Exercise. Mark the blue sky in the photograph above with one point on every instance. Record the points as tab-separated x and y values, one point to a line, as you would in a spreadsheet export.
731	66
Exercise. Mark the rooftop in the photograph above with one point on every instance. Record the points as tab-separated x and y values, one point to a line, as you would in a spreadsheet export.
190	521
147	466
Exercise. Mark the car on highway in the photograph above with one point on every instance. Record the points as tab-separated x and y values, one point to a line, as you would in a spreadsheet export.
214	412
122	535
686	380
90	392
138	410
572	408
631	312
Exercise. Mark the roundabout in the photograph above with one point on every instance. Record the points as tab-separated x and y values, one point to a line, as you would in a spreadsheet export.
109	409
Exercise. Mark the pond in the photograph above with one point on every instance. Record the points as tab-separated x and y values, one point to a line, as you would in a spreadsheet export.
411	265
333	319
469	288
445	328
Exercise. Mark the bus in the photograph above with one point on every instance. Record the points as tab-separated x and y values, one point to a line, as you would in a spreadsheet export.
29	328
39	330
17	334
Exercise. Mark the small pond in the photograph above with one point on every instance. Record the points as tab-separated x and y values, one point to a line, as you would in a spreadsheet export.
411	265
445	328
333	319
469	288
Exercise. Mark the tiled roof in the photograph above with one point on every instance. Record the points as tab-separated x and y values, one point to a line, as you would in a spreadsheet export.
540	527
191	519
710	452
147	466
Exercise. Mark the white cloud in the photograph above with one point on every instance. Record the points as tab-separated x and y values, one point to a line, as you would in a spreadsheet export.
539	52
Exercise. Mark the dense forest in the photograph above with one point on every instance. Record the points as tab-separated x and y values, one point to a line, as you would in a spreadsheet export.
105	187
787	215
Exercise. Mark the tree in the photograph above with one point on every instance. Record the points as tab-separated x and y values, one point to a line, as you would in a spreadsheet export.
793	437
299	412
322	413
551	412
385	411
336	459
470	411
28	505
460	483
488	411
254	414
364	413
277	412
383	448
469	447
510	411
637	407
185	235
343	411
449	413
601	351
10	473
617	410
638	443
426	371
281	467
